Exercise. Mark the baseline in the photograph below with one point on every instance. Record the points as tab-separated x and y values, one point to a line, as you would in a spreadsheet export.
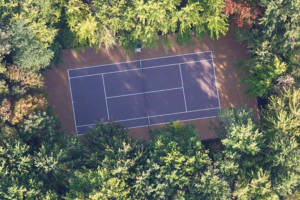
71	95
94	66
158	66
182	88
86	127
216	82
107	110
153	116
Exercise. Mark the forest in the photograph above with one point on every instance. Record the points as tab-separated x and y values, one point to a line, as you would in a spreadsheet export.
253	159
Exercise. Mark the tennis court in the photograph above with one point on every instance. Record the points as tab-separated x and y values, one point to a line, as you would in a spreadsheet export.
145	92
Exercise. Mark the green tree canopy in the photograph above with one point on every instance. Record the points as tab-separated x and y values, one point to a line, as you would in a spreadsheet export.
281	124
178	167
128	22
275	34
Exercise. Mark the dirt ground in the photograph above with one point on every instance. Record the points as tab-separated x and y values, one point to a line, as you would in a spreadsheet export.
226	52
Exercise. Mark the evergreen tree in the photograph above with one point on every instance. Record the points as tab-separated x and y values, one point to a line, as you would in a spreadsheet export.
262	77
110	165
29	52
178	167
275	34
281	122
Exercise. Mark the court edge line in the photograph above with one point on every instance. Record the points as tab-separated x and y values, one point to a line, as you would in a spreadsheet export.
144	97
193	119
105	97
185	104
145	68
149	123
216	82
73	108
175	120
153	116
137	60
139	93
158	66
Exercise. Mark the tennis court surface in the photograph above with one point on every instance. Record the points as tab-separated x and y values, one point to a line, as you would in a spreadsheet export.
145	92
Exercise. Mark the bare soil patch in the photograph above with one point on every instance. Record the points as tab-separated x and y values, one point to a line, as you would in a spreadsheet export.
226	52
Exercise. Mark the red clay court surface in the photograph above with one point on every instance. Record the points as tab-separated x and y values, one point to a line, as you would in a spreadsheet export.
145	92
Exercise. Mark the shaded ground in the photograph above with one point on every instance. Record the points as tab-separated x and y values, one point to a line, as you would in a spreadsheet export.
226	52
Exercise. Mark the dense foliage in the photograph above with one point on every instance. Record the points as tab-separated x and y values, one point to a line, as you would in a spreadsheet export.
243	12
262	164
30	26
131	22
178	167
275	38
253	159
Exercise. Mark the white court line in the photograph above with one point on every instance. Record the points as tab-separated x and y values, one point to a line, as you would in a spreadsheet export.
71	94
136	118
139	93
145	96
104	65
105	97
192	119
216	83
182	87
202	52
156	124
153	116
144	68
149	123
159	66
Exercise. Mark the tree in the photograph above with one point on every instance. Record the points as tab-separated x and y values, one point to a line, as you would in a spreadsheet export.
241	139
244	14
37	170
241	160
40	16
239	132
262	163
280	25
27	79
31	27
152	17
82	22
283	113
178	167
281	123
275	34
19	97
216	19
262	77
29	52
5	46
97	184
131	22
110	167
18	180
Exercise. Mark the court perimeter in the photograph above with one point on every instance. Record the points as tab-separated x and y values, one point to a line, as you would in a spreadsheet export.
145	92
225	51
